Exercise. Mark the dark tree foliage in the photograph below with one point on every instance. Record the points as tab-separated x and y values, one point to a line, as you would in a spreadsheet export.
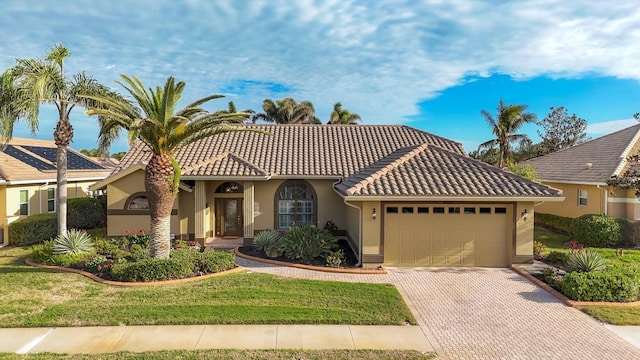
561	131
630	179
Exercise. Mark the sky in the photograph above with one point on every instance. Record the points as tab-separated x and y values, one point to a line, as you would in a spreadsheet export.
433	65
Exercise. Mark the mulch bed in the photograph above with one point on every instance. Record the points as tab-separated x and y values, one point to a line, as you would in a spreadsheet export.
349	263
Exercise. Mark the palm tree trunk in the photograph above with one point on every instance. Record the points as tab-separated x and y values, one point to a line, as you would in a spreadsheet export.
62	135
161	193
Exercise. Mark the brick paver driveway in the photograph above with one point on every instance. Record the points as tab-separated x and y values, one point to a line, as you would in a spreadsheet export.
487	314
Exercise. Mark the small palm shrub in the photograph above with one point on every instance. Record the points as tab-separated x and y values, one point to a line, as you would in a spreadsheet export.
43	254
596	230
586	260
305	242
74	242
268	242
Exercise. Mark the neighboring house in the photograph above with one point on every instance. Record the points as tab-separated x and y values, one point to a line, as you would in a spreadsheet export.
28	179
582	171
401	196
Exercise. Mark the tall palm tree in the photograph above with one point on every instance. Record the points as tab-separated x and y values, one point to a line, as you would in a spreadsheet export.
32	82
341	116
509	119
287	111
152	118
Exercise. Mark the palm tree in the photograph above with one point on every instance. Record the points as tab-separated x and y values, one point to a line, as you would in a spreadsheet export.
510	118
342	116
231	109
152	118
32	82
287	111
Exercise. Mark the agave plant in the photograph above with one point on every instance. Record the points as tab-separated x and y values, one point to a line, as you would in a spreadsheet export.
73	242
586	260
268	242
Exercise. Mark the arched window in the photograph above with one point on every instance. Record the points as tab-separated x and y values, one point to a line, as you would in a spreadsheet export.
295	204
229	187
137	201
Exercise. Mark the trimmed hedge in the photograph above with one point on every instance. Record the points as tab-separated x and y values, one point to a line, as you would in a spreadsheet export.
560	224
85	213
33	230
214	261
596	230
629	233
152	270
611	285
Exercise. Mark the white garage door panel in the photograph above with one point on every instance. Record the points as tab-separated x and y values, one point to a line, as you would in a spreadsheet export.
452	238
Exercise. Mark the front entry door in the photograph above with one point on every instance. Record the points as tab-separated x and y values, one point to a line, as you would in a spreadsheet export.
231	217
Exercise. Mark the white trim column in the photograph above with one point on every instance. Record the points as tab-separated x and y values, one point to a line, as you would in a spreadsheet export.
247	207
200	213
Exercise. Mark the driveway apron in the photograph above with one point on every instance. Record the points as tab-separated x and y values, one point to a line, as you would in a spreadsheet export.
478	313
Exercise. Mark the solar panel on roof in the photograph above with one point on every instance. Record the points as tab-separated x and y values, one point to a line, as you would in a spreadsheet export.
27	159
74	161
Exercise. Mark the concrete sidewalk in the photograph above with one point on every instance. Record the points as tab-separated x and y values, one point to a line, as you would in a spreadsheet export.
107	339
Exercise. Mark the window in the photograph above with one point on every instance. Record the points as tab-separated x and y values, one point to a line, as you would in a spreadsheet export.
407	210
24	202
500	210
454	210
229	187
295	204
582	197
438	210
138	203
423	210
51	200
469	210
392	210
485	210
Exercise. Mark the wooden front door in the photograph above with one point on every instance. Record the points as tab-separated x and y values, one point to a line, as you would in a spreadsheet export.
231	219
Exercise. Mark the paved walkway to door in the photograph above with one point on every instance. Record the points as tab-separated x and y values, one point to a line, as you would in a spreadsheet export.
476	313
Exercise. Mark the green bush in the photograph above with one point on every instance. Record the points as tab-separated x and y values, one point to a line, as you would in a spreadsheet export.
560	224
73	242
33	230
596	230
557	257
586	260
307	242
629	233
85	213
335	258
214	261
43	254
91	262
152	269
265	240
601	286
538	249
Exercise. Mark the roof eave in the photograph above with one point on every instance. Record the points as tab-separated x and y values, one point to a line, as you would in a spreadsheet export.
452	198
594	183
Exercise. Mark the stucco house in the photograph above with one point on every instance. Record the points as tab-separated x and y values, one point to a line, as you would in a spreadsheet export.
28	179
401	196
582	171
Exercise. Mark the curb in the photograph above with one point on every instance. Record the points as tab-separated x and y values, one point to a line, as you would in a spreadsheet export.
566	300
309	267
133	284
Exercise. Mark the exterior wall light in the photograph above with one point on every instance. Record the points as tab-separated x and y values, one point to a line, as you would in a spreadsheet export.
524	215
373	213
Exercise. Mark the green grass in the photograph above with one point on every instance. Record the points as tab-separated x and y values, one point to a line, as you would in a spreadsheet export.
238	355
34	297
628	315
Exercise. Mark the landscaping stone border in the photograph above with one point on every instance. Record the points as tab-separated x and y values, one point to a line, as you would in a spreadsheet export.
133	284
565	299
309	267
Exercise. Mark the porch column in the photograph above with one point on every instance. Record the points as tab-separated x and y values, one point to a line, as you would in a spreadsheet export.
247	207
199	213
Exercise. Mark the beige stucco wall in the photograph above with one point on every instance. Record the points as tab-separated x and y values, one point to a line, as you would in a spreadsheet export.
372	229
353	224
623	204
186	209
569	207
523	234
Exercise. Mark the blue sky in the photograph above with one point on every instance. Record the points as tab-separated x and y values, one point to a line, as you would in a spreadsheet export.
433	65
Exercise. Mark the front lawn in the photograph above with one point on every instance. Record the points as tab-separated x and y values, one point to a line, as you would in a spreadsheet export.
34	297
628	315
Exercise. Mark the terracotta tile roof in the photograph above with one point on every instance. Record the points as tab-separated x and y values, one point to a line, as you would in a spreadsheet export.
427	170
33	160
594	161
401	160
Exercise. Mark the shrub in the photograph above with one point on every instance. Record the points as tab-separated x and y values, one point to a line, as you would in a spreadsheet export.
596	230
74	242
335	258
586	260
552	277
331	227
152	269
601	286
85	213
560	224
557	257
91	262
110	249
214	261
138	252
307	242
538	249
43	254
267	241
629	233
33	230
138	237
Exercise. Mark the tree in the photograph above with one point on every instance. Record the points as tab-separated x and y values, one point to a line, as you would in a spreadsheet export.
95	152
232	110
151	117
287	111
509	119
341	116
630	179
119	155
561	131
32	82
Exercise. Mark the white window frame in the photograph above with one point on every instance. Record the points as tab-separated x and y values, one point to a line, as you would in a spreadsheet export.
23	203
51	199
581	197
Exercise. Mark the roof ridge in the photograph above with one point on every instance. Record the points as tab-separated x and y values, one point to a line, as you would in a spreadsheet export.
388	167
246	162
625	153
208	161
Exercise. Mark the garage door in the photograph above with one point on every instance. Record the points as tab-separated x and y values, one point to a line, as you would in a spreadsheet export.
446	235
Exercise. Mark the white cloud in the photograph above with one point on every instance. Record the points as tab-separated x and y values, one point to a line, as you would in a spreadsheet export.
608	127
